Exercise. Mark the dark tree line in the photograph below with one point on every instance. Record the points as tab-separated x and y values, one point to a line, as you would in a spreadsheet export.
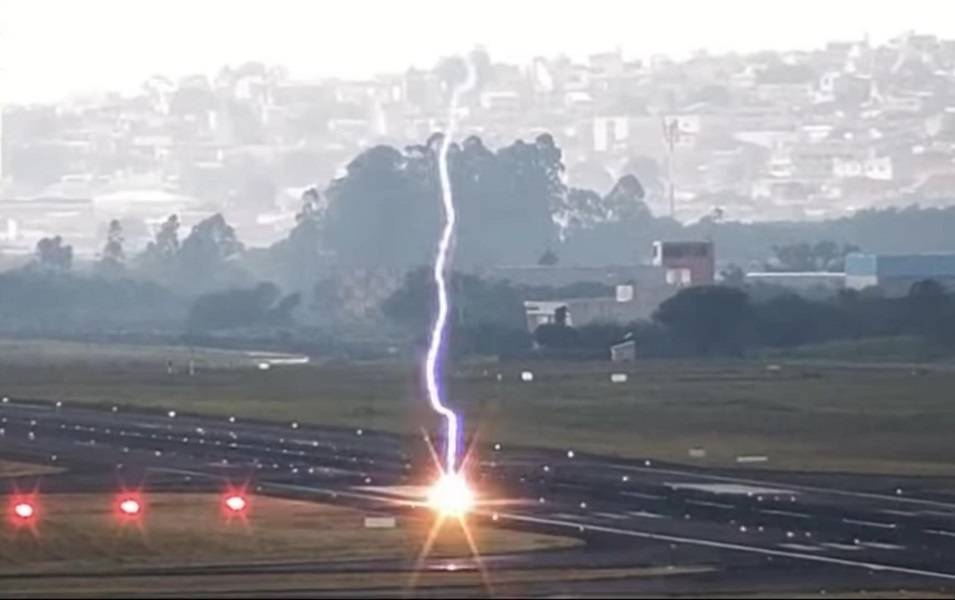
726	321
487	317
262	306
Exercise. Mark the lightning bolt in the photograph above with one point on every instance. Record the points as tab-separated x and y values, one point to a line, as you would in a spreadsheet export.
436	344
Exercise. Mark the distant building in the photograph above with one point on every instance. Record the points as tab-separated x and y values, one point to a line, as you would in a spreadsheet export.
578	312
799	281
878	168
610	133
560	275
686	263
638	289
895	273
502	102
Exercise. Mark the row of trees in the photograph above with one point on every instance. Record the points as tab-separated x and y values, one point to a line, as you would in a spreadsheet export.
207	258
514	207
727	321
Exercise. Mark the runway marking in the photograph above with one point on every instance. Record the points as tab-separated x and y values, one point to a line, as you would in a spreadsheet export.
838	546
611	516
881	546
940	532
871	566
786	513
646	515
730	489
568	516
712	504
802	547
805	488
303	488
643	496
15	404
617	531
869	523
900	513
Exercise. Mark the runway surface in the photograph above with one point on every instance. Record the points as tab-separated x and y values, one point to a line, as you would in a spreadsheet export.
759	531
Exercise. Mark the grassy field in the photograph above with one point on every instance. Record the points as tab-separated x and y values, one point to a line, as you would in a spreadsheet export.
517	583
838	417
882	349
55	353
18	469
80	533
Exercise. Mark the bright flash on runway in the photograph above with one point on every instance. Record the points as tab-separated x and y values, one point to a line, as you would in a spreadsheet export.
451	496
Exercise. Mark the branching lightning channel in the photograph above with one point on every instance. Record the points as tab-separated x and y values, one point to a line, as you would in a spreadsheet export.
438	330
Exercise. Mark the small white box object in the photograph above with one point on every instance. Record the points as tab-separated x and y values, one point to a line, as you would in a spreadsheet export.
380	522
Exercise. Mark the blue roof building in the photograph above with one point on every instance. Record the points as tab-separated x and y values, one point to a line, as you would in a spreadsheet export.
895	273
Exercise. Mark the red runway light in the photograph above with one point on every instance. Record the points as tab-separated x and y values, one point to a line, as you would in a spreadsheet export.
235	503
130	507
24	510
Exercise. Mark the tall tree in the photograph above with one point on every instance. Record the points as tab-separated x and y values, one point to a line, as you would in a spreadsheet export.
625	201
112	260
113	250
166	244
378	215
207	249
259	306
532	192
548	259
53	255
299	259
708	319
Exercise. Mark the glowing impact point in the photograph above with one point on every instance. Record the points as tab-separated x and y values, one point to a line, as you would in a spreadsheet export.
235	503
130	506
24	510
451	496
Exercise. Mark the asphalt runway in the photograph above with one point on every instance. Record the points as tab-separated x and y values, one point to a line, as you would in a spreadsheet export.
760	531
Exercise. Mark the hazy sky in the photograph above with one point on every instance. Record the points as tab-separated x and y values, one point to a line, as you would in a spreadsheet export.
50	48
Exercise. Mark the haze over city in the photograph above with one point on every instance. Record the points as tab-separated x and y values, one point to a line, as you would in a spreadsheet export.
109	45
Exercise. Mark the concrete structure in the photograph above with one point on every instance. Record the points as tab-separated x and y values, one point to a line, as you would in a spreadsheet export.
895	273
638	289
559	275
686	263
799	281
577	312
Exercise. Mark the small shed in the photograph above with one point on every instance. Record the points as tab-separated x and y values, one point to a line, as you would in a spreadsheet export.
625	351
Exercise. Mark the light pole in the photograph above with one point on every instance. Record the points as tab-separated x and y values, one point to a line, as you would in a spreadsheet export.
670	133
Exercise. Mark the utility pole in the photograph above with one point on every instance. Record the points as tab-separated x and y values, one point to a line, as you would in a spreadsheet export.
670	133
